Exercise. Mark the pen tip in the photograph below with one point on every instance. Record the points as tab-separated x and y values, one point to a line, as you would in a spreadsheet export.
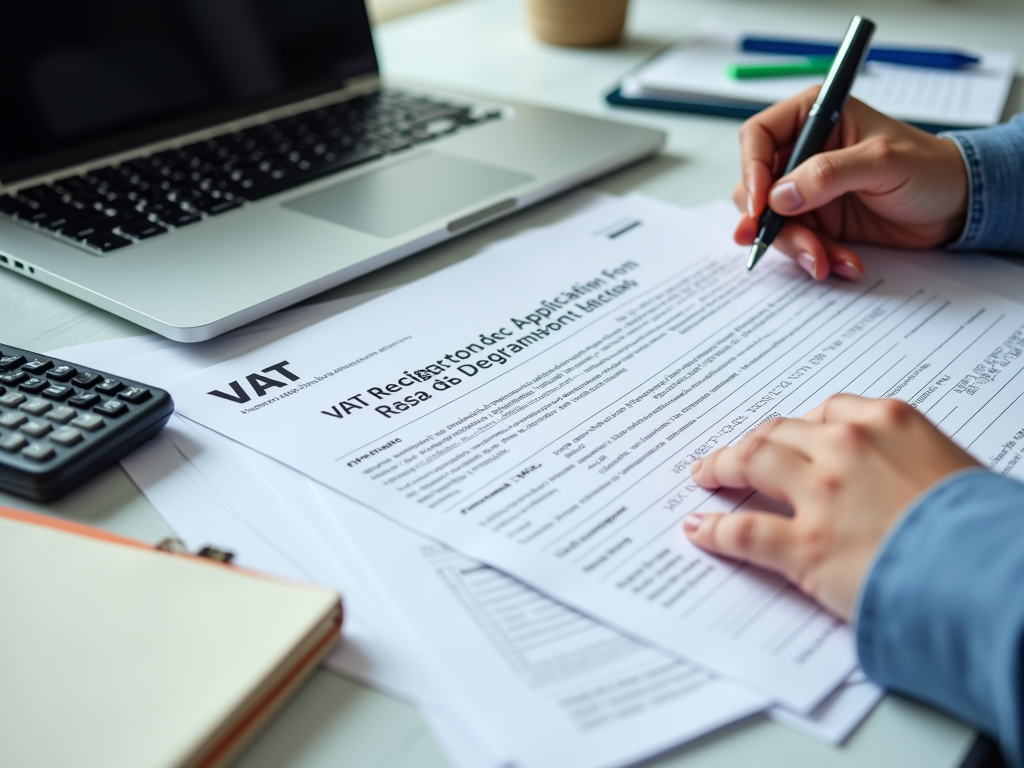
755	254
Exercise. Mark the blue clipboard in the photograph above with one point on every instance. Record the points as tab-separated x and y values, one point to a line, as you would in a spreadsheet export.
617	98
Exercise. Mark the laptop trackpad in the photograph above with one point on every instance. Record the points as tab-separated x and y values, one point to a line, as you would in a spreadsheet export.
405	195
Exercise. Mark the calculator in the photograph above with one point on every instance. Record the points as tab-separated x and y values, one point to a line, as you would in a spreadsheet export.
62	423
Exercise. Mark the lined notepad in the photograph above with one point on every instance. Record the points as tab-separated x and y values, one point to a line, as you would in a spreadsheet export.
694	72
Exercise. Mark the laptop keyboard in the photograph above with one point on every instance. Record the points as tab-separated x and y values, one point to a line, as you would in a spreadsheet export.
113	207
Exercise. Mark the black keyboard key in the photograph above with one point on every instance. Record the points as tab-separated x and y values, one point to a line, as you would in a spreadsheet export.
86	379
106	242
115	409
213	206
7	362
33	385
14	207
85	400
94	228
182	219
70	218
135	395
14	378
58	392
39	365
142	229
62	373
43	194
109	386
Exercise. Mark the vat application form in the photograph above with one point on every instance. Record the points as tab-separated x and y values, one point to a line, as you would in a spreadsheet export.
538	407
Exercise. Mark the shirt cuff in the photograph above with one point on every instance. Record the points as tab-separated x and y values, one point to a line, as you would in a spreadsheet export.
994	159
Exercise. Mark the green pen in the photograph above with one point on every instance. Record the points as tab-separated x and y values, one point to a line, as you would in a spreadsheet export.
812	65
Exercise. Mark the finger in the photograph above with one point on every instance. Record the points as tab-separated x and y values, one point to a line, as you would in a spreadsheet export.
746	230
756	462
805	246
761	538
740	198
761	138
839	408
868	166
816	253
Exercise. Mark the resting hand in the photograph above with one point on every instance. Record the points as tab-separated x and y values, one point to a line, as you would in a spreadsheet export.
848	469
878	181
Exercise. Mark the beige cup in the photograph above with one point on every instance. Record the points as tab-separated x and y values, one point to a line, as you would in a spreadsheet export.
577	22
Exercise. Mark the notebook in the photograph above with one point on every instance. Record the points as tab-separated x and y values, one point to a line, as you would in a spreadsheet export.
114	654
690	77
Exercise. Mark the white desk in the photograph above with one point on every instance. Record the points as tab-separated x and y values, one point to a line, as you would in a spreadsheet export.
483	45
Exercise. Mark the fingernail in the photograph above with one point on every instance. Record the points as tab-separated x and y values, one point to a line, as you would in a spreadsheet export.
695	467
848	270
750	206
786	197
692	522
806	261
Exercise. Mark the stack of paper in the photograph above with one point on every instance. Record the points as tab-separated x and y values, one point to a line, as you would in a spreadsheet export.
694	73
509	545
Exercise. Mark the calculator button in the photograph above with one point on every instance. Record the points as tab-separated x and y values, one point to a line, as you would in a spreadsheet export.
85	400
14	378
36	407
12	400
7	362
38	452
86	379
12	420
109	386
62	373
112	408
33	386
62	414
13	443
36	428
88	421
135	395
58	392
66	436
37	366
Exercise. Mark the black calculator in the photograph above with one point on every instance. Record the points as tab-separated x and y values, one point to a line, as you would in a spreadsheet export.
62	423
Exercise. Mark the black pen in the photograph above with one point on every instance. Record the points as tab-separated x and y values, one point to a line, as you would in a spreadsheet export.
820	120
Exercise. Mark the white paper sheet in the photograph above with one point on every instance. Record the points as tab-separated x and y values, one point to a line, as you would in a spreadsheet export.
696	70
199	480
195	502
661	358
588	369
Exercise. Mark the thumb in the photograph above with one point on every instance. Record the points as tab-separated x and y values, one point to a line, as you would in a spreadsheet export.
761	538
864	167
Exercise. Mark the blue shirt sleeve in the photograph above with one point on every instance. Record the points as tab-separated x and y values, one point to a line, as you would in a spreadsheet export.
941	612
995	167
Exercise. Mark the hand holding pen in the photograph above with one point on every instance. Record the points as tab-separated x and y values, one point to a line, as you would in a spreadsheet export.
876	180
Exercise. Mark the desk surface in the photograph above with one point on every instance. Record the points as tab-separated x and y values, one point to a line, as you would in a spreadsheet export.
483	45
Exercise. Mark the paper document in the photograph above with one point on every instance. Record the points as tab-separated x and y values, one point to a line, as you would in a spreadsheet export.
194	476
696	70
544	421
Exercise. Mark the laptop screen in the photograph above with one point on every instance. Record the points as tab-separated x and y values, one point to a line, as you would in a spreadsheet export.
81	79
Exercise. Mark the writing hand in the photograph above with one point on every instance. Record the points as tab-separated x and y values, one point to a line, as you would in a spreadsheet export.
848	469
878	181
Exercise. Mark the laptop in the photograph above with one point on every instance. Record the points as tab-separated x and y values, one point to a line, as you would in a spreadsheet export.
193	165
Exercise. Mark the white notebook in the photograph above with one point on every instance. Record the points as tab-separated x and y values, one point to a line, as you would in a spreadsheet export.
113	654
694	72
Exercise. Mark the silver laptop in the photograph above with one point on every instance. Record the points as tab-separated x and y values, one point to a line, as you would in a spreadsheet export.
192	165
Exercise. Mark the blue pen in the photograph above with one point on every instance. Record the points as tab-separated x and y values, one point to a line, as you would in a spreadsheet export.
915	57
